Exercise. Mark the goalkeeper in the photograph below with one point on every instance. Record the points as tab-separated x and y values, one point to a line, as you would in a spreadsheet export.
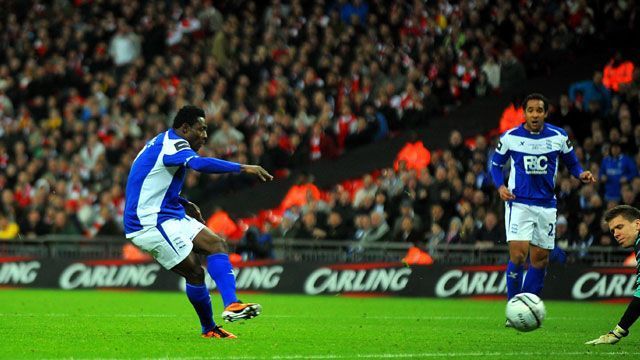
624	223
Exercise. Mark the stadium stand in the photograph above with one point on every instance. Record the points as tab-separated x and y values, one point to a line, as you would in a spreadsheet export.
83	84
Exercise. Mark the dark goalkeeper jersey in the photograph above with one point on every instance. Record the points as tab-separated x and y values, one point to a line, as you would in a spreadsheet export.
636	249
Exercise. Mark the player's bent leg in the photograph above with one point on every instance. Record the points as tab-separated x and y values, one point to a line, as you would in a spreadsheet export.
518	250
218	264
221	271
534	281
197	291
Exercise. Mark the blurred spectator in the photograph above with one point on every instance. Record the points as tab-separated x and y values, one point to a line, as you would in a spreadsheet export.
368	189
124	47
380	228
490	233
583	239
616	170
558	254
33	226
64	225
566	115
512	72
491	69
336	228
454	232
309	228
406	211
286	229
255	245
407	232
588	92
9	230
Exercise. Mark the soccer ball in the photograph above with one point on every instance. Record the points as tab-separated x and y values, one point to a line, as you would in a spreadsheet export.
525	312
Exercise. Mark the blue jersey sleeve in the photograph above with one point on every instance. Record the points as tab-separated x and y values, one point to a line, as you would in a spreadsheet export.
189	158
212	165
180	158
570	159
500	157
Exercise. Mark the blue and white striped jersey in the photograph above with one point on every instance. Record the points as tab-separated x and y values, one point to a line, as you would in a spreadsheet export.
534	163
156	178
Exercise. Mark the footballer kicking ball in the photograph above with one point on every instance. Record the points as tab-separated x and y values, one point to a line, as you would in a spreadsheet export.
525	312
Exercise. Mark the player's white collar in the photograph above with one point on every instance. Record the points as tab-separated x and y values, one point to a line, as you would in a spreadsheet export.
534	132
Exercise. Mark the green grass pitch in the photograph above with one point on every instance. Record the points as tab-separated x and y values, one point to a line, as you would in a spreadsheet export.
47	324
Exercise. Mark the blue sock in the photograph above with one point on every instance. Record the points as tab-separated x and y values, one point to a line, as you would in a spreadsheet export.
514	279
534	281
201	301
221	272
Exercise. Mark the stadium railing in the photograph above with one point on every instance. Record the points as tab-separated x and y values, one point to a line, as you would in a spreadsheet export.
304	250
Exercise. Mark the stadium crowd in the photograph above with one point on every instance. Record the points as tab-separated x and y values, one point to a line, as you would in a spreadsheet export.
83	84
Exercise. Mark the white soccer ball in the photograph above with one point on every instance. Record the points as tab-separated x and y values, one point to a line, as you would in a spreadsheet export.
525	312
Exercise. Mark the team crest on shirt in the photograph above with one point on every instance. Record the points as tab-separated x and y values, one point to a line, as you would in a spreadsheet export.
549	145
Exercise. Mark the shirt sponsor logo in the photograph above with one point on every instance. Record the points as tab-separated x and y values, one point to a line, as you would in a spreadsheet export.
535	165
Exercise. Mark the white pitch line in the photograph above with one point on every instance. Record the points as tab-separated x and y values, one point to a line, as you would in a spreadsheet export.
363	317
404	356
419	355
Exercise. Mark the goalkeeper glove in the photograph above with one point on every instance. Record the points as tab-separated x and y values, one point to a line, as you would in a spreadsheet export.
611	338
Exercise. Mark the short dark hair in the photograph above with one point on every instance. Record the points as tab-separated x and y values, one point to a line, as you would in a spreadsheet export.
629	213
189	115
536	96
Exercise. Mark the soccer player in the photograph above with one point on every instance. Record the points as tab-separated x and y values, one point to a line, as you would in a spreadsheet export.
159	221
624	224
530	210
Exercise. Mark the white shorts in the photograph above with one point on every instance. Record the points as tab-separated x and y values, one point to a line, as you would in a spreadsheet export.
531	223
170	242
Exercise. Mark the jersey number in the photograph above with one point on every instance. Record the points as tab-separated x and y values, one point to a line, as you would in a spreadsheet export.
550	230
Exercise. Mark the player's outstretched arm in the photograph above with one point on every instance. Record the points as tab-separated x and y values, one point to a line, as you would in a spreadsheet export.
628	318
258	171
610	338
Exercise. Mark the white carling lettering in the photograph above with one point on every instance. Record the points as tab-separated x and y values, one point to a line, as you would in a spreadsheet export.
458	282
264	277
16	273
82	276
374	280
594	284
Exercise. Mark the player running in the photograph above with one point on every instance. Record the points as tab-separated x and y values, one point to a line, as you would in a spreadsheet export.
530	209
159	221
624	224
